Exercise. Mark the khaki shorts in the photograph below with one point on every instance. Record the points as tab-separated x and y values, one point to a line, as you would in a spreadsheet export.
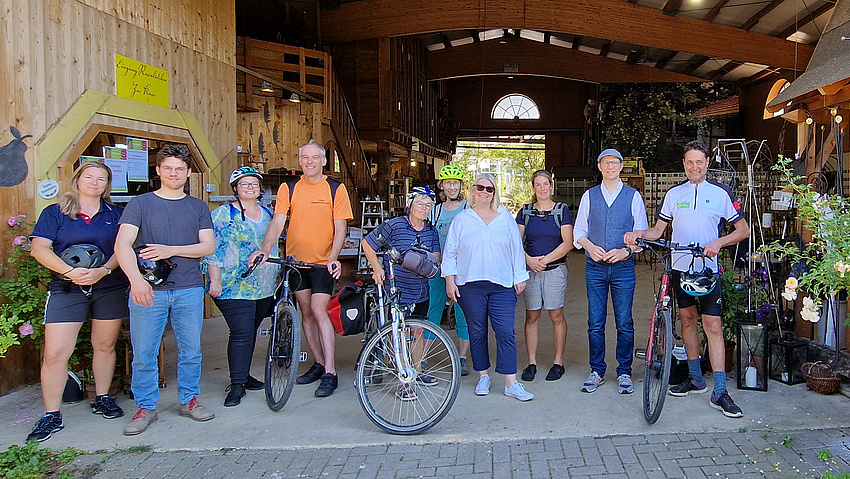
546	289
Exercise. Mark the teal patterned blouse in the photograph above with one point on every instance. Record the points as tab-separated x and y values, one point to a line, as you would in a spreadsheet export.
235	240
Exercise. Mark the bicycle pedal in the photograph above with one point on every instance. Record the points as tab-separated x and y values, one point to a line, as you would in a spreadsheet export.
640	353
302	357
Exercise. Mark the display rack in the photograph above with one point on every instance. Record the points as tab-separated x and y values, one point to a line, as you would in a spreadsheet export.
398	190
372	215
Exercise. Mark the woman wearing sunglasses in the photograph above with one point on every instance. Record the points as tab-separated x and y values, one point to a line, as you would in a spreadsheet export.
484	267
548	231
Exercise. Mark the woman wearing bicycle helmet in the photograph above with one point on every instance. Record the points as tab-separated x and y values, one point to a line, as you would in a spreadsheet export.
84	224
402	233
547	228
450	184
239	229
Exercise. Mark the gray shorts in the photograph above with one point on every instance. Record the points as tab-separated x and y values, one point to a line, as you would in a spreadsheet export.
546	289
76	307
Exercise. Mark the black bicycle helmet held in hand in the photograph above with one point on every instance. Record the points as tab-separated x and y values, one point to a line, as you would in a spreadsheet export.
154	272
82	255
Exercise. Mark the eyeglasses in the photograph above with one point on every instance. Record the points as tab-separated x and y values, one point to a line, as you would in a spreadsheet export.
489	189
609	164
249	185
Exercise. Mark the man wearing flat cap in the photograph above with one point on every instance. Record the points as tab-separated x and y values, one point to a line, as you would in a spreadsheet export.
605	214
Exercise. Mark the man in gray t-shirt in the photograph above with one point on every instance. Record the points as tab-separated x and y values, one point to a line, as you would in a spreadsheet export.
166	225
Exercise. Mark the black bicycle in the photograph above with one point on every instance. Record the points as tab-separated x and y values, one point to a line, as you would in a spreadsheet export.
408	372
659	349
284	350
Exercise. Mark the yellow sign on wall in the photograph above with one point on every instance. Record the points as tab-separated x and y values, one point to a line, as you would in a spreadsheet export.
141	82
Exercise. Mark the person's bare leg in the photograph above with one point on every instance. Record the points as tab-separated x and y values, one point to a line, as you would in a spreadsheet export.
532	319
559	334
309	327
59	342
104	335
327	335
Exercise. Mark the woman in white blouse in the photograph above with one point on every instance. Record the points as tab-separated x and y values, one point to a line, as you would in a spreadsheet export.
484	267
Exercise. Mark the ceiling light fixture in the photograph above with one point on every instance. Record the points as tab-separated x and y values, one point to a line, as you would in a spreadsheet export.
267	87
294	98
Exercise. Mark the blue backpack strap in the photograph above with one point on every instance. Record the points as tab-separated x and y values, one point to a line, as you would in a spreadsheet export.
558	213
526	213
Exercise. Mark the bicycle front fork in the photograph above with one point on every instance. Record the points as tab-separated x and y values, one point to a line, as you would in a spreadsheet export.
406	371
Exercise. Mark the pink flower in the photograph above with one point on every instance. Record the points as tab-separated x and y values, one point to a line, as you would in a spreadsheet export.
13	221
26	329
20	241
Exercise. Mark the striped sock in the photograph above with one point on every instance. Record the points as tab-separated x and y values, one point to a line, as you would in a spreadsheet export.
696	371
719	382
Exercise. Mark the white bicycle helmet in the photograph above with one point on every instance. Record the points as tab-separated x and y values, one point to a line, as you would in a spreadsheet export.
698	283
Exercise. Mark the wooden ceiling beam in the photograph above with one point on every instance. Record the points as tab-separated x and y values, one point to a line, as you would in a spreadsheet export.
605	49
695	63
660	64
635	55
576	42
715	10
611	19
672	7
723	70
806	20
761	13
535	58
446	42
474	35
767	72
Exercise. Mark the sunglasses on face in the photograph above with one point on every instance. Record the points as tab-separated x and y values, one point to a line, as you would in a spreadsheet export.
488	189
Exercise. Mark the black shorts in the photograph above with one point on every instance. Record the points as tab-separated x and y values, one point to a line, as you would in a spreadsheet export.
709	304
76	307
319	280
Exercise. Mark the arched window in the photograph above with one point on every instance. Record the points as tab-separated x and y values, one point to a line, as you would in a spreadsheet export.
515	106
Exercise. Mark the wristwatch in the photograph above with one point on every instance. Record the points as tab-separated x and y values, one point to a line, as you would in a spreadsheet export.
629	249
108	271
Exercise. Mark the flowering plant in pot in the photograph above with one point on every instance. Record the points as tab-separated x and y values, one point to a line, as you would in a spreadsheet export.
23	288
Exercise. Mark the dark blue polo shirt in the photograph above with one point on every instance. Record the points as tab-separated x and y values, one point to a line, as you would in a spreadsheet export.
101	231
401	235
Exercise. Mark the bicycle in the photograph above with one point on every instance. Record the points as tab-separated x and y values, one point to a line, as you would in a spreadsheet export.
659	348
284	351
398	393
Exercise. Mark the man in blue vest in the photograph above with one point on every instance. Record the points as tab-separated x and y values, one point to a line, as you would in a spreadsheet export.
606	213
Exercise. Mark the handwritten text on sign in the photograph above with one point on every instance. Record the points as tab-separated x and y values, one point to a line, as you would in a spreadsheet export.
138	81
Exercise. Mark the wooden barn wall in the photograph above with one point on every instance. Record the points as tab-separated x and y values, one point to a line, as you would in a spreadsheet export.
52	51
272	136
385	83
561	104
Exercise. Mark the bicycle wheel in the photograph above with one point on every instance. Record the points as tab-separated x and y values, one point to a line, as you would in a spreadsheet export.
657	373
282	358
414	405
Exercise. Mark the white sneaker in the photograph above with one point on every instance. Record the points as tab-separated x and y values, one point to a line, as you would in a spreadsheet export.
483	386
517	390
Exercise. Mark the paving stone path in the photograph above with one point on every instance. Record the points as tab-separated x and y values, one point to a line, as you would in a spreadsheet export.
745	454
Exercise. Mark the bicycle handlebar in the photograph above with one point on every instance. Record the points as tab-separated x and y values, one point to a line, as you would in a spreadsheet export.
668	245
288	261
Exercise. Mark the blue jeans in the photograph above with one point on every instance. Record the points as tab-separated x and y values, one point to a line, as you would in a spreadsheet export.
438	299
243	317
620	278
185	307
480	299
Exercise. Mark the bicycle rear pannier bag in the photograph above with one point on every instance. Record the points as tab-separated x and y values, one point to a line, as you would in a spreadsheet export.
348	309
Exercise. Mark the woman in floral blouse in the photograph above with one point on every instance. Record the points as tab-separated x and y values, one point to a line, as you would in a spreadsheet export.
239	229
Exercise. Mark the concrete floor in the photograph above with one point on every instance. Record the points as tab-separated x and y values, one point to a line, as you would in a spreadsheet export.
558	410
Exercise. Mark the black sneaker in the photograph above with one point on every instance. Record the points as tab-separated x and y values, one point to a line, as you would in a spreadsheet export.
315	372
529	372
328	385
106	407
254	384
235	393
725	403
47	425
688	387
555	372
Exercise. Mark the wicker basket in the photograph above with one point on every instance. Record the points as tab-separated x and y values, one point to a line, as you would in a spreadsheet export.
820	378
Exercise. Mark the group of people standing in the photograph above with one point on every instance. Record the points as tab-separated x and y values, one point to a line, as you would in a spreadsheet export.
152	253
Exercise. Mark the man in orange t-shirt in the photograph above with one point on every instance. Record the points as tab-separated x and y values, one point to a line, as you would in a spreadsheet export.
317	227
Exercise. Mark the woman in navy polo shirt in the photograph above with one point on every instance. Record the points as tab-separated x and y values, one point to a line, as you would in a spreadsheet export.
547	228
84	215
